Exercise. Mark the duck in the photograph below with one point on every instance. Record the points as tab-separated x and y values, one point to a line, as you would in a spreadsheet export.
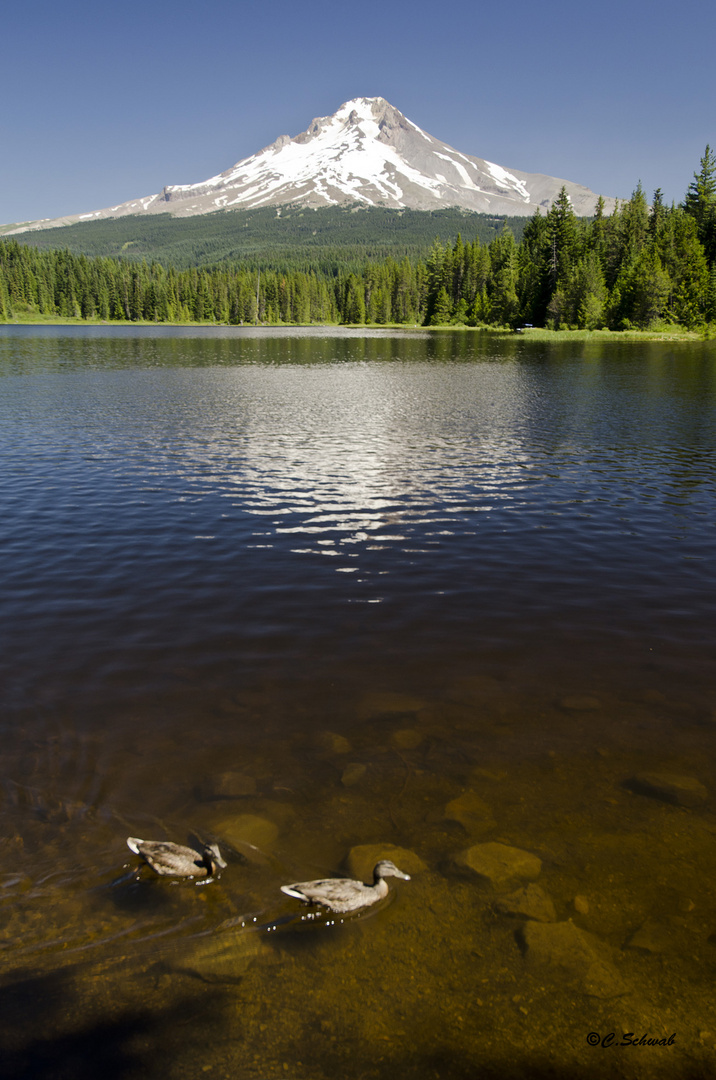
174	860
343	894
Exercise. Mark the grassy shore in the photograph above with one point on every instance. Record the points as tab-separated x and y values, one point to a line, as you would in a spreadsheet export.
657	333
665	333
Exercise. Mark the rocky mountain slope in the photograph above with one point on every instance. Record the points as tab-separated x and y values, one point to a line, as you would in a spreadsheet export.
367	153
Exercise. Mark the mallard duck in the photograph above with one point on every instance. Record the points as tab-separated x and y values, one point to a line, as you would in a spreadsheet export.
173	860
343	894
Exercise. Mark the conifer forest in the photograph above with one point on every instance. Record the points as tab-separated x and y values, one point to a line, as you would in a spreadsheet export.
644	265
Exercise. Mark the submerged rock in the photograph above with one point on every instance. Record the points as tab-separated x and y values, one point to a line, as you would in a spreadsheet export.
406	739
328	742
231	704
499	865
226	785
470	811
362	859
529	902
580	703
579	958
670	788
650	937
494	776
223	958
651	697
245	832
473	689
382	704
45	806
353	773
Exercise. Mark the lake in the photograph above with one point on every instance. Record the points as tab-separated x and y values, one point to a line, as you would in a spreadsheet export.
323	595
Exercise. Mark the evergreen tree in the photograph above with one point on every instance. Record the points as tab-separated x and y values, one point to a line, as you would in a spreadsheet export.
657	216
441	308
580	300
535	264
700	203
405	294
477	271
641	293
353	301
458	267
634	225
710	311
595	235
5	306
438	276
690	275
626	235
479	312
502	290
561	237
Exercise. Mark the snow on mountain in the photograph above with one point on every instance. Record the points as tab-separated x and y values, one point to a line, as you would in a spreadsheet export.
367	153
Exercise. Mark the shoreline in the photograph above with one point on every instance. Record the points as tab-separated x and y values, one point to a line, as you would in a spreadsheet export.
671	333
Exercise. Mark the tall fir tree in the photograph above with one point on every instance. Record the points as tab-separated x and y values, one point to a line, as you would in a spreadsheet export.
700	203
502	285
562	237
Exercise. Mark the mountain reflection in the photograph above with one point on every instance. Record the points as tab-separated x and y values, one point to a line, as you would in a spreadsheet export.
365	455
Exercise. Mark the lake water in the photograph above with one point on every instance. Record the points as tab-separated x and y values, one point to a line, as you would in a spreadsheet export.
297	592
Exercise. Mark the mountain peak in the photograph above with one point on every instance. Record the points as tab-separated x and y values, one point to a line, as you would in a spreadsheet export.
366	153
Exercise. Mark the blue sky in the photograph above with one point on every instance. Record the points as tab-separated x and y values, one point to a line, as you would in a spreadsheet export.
103	103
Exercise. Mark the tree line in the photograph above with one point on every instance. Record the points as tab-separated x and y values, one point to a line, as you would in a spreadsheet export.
325	238
642	265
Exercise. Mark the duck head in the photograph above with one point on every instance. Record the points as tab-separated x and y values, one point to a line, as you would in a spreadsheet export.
213	859
386	868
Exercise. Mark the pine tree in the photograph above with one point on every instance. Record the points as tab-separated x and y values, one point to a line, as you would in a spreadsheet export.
561	237
438	276
700	203
690	275
458	267
534	271
711	296
580	300
441	309
5	307
657	216
596	232
641	293
354	301
634	225
502	291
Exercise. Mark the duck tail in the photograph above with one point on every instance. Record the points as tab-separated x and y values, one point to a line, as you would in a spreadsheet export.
291	890
133	843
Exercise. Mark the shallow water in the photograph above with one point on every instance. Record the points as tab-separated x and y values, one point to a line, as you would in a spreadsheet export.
370	574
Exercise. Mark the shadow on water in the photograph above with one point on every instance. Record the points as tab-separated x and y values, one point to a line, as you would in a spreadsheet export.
121	1040
137	896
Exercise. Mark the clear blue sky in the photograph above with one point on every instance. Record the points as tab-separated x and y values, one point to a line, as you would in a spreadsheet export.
106	102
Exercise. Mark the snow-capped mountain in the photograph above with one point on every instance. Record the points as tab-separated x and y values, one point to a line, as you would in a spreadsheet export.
367	153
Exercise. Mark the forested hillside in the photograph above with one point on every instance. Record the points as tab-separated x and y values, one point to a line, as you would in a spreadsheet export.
290	237
640	266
